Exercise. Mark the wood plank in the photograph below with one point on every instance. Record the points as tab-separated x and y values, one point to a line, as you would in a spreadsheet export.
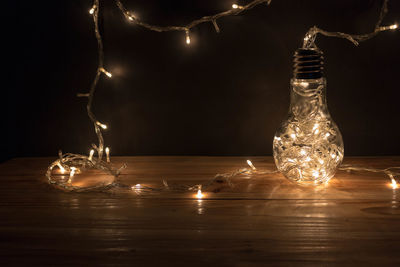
262	220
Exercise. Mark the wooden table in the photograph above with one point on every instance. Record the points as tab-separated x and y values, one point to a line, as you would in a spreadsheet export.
262	219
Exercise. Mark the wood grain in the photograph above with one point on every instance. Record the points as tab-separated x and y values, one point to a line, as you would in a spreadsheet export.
262	220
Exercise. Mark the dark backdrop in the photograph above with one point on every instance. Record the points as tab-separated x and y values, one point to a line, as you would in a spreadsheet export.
225	94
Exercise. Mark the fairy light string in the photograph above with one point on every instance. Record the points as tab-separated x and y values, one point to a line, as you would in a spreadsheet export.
311	35
71	164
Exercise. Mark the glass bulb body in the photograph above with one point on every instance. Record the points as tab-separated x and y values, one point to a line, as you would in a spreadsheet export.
308	146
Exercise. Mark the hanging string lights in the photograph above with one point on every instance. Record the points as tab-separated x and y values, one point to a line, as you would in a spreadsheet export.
69	163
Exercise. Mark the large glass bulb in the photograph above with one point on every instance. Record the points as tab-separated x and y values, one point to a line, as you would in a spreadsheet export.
308	146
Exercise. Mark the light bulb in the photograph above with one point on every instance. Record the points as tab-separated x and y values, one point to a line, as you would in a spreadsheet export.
108	154
308	146
187	37
91	153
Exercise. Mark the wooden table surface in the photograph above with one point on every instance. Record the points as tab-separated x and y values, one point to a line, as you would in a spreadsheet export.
261	220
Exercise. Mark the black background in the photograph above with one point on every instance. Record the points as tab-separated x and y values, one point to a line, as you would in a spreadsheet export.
225	94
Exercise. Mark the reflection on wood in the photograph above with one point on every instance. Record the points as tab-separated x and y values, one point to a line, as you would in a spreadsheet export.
260	220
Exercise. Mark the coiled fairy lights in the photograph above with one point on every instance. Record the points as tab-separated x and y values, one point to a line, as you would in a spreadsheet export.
69	163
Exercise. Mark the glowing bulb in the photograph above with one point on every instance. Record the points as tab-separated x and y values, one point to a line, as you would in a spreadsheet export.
109	75
62	169
91	153
199	194
394	184
251	164
235	6
130	18
91	11
305	158
101	125
108	154
71	174
393	27
187	38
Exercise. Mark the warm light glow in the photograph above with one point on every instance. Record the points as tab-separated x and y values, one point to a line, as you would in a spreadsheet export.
394	184
393	27
251	164
108	154
315	174
136	187
62	170
91	11
187	38
109	75
199	194
71	174
303	152
235	6
293	136
91	153
304	84
101	125
308	159
130	18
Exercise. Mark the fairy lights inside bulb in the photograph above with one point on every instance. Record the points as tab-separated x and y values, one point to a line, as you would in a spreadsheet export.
62	169
91	153
199	194
108	154
251	164
71	174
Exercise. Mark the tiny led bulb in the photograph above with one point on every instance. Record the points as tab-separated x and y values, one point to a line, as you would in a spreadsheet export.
187	38
394	184
235	6
101	125
251	164
91	11
199	194
62	170
393	27
91	153
109	75
304	84
108	154
71	174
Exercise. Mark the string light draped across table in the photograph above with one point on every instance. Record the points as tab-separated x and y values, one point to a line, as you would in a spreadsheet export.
69	164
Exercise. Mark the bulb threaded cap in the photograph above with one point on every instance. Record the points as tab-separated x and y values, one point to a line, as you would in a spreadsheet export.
308	63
